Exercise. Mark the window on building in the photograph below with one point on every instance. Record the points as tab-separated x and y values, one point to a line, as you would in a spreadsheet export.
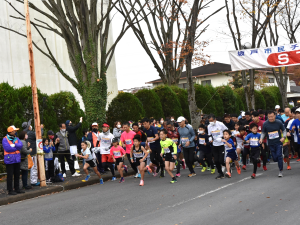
271	80
206	82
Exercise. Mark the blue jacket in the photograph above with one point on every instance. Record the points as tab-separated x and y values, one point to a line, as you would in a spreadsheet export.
279	118
12	154
49	152
186	134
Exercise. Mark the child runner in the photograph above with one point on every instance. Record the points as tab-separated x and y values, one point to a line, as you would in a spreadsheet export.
49	148
138	154
89	161
168	152
253	139
231	153
238	138
118	153
205	149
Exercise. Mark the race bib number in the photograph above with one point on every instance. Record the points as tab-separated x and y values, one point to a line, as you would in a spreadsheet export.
138	155
128	141
273	135
201	141
117	153
106	141
167	150
175	140
215	133
184	141
151	140
254	142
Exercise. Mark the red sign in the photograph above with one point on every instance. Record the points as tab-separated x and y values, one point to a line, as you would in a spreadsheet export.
284	58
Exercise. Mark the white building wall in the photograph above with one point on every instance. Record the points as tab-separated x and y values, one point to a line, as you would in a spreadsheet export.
14	63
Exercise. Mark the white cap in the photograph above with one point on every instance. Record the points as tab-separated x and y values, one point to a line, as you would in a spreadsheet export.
298	110
243	114
180	119
95	124
277	107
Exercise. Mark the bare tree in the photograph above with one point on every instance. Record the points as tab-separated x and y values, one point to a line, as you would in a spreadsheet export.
259	12
85	30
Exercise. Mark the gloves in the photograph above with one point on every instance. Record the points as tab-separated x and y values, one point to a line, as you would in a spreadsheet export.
12	145
80	120
210	139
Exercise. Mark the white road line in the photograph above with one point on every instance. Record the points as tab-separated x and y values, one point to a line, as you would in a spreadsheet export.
218	189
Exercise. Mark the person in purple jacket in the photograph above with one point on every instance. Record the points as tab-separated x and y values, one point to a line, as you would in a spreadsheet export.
12	158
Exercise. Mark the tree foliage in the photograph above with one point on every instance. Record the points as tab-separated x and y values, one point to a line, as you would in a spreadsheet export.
169	101
217	99
151	103
183	99
239	104
125	107
229	99
204	100
270	98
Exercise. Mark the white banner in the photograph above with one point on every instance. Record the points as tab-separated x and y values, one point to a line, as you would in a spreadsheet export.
277	56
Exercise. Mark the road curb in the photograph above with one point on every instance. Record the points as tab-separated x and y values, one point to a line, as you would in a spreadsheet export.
70	185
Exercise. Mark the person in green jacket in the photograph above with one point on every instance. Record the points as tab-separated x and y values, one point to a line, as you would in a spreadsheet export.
168	153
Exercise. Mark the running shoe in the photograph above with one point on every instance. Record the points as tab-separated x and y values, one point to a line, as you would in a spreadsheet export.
87	178
125	168
290	156
76	174
258	164
295	157
203	169
298	160
149	169
173	181
220	176
253	175
208	168
190	175
284	160
122	180
213	171
162	173
223	169
141	183
228	175
178	175
244	167
193	174
280	174
183	164
64	175
113	178
139	176
289	168
238	169
265	168
101	181
136	175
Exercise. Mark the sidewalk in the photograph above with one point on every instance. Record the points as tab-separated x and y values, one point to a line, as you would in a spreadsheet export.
68	184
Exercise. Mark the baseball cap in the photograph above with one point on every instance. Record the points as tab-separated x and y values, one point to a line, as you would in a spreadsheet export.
105	125
115	140
11	128
50	132
298	110
243	114
180	119
277	107
94	124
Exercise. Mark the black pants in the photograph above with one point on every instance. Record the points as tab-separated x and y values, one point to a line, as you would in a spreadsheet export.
13	171
263	153
255	153
179	162
208	158
246	152
24	177
110	166
218	152
50	172
99	163
156	159
133	165
66	155
189	157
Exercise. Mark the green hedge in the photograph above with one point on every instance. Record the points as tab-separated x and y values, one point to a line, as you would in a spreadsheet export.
229	99
124	107
203	97
217	99
270	97
151	103
276	92
183	99
169	101
260	102
239	103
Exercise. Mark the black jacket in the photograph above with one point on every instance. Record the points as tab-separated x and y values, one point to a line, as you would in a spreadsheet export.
72	134
32	139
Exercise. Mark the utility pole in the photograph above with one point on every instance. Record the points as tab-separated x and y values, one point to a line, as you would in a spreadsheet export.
40	156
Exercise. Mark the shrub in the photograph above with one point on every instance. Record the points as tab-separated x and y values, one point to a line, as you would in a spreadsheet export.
151	103
270	98
204	100
217	99
239	103
229	99
276	92
125	107
183	99
260	102
169	101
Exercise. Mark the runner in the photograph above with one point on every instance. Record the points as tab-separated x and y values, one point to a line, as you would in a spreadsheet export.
118	153
169	153
215	131
253	139
186	140
238	139
231	153
294	140
138	154
272	129
205	150
89	161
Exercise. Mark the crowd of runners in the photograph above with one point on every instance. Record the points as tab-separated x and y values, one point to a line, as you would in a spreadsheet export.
154	147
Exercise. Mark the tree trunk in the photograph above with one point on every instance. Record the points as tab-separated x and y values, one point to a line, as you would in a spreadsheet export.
246	89
195	113
251	90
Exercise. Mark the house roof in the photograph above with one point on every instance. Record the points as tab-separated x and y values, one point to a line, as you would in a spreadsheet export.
208	70
295	89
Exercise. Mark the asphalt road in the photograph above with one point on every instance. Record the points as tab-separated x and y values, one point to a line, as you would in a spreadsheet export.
199	200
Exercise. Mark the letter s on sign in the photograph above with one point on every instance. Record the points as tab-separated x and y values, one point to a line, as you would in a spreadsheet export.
283	58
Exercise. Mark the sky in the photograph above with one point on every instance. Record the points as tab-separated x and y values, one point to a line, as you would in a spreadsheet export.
134	67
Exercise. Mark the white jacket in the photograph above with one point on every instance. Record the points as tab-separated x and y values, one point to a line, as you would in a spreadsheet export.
105	142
